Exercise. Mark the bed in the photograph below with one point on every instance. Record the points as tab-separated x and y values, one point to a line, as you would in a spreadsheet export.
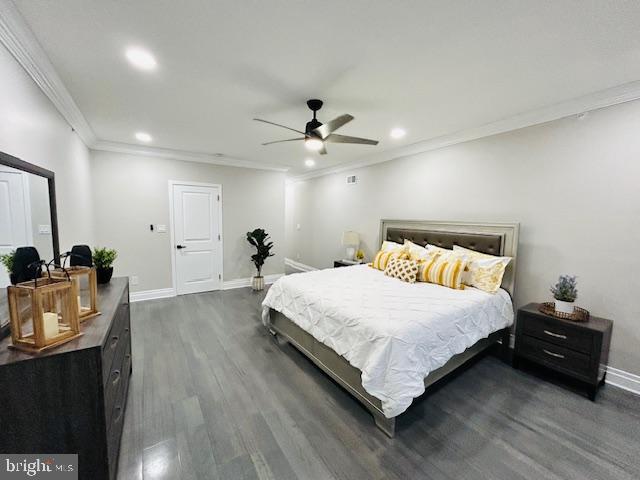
386	341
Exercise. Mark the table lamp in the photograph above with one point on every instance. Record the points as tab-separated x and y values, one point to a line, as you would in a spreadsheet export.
351	240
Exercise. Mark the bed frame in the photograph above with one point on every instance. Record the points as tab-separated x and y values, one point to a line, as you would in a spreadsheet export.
496	239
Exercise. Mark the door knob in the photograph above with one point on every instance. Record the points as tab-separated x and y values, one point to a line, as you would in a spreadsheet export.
180	247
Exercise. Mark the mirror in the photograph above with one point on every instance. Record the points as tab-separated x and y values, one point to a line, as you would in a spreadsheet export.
27	217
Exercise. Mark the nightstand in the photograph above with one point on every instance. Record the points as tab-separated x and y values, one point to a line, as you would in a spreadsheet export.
344	263
579	350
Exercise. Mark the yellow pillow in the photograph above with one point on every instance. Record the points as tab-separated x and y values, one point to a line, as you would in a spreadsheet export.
382	258
405	270
445	270
484	271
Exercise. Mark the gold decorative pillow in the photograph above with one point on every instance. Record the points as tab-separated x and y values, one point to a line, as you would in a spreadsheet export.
405	270
484	271
381	260
445	270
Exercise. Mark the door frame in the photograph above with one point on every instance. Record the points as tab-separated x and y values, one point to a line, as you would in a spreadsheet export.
172	243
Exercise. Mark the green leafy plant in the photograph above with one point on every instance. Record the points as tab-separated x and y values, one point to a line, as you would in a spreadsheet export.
259	239
566	289
7	260
104	257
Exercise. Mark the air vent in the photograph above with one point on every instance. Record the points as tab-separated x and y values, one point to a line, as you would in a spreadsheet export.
352	180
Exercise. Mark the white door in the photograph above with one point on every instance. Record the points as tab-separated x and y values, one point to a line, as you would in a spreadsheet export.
197	238
13	217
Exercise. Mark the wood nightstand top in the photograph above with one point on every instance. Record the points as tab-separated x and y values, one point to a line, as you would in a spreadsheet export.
595	323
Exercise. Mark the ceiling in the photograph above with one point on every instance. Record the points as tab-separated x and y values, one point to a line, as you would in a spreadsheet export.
432	67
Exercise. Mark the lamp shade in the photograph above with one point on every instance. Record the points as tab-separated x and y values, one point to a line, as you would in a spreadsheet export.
350	238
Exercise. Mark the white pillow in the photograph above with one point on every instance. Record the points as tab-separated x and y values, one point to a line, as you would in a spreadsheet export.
416	252
484	271
388	246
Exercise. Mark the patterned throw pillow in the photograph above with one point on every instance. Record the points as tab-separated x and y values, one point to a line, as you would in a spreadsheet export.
445	270
405	270
485	271
381	260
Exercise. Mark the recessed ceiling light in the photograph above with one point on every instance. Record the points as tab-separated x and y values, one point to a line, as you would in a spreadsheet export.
309	162
398	133
313	144
141	58
143	137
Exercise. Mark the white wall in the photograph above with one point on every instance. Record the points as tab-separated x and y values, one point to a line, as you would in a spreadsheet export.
32	129
131	192
572	184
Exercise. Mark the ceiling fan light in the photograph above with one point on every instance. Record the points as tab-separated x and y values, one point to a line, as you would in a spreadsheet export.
313	144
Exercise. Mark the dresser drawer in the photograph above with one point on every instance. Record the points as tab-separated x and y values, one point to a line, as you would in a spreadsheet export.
112	344
558	333
553	356
119	372
116	422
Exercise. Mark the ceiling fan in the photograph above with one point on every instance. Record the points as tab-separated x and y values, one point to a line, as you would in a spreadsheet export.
316	133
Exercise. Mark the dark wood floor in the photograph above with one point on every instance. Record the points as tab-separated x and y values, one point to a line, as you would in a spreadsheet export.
214	396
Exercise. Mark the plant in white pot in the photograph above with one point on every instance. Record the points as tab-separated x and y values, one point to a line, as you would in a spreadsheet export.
565	293
259	239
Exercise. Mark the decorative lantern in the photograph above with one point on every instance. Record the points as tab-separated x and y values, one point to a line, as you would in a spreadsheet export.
43	314
84	288
84	280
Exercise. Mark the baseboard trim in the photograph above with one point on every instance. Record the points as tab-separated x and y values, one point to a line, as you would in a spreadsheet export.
246	282
301	267
624	380
152	294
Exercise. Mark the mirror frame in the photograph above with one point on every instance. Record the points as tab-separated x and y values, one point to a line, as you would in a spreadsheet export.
18	164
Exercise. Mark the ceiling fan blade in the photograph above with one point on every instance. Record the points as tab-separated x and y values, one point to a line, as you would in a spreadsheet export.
323	150
288	140
335	138
278	125
331	126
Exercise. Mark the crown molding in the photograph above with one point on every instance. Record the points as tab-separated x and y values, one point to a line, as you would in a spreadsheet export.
20	41
604	98
212	159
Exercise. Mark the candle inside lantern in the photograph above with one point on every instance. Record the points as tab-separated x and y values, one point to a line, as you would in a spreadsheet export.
79	305
50	320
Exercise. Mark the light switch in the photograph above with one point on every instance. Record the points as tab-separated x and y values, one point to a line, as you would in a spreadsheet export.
161	228
297	226
44	229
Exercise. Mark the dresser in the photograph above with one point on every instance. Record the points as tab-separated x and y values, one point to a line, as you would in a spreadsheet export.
72	399
579	350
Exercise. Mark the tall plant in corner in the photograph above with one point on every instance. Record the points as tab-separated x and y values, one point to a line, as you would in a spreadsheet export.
260	240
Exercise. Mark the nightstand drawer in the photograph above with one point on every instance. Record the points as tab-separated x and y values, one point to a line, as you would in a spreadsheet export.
554	356
556	332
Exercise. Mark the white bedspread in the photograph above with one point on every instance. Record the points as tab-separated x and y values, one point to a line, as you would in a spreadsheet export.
394	332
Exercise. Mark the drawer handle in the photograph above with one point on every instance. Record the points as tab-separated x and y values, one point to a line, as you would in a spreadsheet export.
557	355
116	374
117	419
557	335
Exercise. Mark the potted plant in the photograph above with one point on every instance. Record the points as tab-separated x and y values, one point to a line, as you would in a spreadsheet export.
565	293
259	239
103	259
8	261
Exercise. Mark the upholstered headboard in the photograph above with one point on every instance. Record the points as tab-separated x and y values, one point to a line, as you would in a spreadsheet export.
494	239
